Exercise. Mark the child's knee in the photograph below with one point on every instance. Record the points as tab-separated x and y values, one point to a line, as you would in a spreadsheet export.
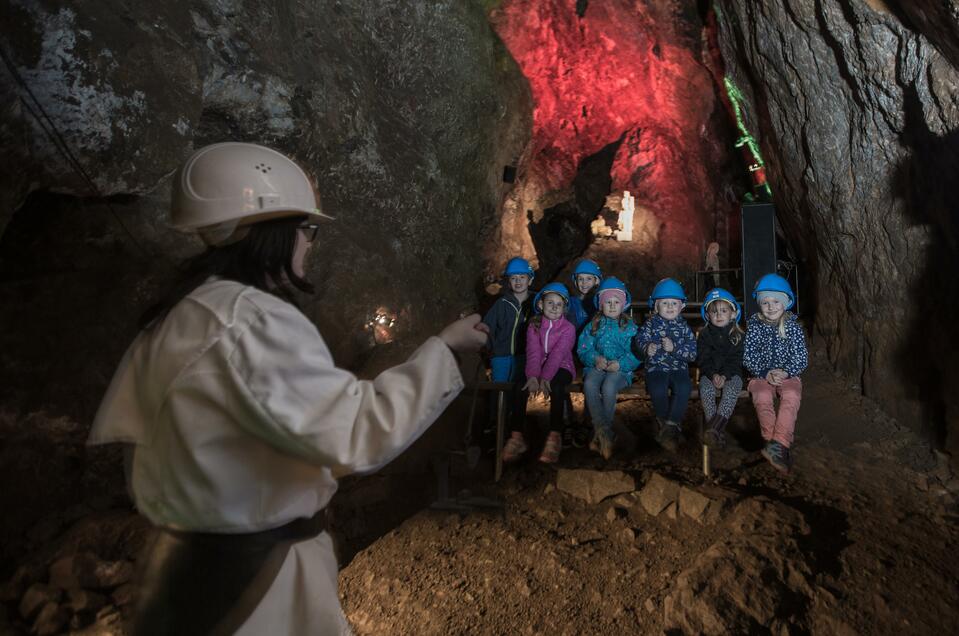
792	397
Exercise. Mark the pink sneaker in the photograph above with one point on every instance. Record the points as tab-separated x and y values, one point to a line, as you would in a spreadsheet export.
551	449
514	448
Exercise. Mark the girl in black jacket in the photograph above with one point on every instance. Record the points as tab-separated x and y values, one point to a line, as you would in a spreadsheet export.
720	360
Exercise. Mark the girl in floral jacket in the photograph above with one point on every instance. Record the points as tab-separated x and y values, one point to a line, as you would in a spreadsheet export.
775	355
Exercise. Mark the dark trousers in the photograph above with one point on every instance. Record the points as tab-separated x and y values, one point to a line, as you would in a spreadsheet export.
557	399
659	384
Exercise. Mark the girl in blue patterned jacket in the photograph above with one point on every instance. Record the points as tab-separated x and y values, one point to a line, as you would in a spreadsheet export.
604	348
669	345
775	355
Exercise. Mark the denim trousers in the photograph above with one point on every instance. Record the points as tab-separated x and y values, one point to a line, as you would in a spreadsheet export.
601	388
669	407
506	369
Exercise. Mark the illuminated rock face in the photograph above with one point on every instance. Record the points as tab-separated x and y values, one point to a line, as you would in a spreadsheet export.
632	73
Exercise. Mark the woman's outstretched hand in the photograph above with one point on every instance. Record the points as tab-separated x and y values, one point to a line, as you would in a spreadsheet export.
466	334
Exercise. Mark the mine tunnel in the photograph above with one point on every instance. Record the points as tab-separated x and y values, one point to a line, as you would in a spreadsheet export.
713	143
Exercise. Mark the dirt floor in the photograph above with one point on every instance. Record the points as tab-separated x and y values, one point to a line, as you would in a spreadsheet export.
861	539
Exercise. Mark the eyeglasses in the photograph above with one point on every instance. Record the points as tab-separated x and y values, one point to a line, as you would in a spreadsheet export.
310	230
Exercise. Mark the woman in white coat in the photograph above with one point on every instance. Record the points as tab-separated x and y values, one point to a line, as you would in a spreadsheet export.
238	420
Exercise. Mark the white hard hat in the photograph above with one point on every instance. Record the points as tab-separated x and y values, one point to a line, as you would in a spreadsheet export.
227	185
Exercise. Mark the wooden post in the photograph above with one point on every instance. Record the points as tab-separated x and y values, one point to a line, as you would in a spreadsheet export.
500	425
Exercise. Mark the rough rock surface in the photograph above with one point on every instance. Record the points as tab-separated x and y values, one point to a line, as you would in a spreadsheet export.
658	494
634	81
593	486
755	576
703	506
857	114
404	113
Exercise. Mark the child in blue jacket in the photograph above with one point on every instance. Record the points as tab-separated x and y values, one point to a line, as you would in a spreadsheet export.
668	345
506	320
586	277
604	349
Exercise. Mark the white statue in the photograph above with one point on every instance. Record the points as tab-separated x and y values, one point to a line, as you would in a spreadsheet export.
625	232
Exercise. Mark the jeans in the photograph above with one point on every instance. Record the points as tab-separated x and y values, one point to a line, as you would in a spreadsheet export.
601	388
658	384
506	369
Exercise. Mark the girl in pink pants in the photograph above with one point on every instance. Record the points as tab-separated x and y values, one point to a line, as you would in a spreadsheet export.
775	355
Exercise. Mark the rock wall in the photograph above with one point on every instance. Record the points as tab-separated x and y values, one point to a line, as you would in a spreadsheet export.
857	112
634	81
404	113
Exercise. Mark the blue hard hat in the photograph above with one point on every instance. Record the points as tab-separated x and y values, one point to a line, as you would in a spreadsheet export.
666	288
718	293
587	266
519	266
612	283
551	288
776	283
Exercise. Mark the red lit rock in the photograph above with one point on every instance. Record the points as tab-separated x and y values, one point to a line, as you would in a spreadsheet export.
623	71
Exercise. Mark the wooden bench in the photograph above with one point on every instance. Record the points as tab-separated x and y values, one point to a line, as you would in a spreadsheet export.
636	389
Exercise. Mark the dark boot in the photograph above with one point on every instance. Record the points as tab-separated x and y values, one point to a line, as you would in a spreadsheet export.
670	436
716	432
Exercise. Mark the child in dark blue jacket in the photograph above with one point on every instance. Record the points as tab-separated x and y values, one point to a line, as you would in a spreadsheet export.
506	320
668	345
720	360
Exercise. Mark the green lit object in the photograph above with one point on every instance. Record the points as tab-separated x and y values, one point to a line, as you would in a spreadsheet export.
758	167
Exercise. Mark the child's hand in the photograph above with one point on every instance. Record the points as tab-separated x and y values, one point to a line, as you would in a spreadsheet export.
532	385
612	366
668	345
544	387
719	380
651	349
776	377
601	363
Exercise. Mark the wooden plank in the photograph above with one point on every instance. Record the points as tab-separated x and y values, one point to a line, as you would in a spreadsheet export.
635	389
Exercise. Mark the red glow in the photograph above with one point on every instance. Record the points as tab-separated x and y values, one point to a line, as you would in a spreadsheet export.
625	69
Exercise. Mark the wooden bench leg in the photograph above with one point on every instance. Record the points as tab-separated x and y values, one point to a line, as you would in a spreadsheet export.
500	426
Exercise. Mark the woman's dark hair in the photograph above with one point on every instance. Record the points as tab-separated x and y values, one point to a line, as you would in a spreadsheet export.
263	259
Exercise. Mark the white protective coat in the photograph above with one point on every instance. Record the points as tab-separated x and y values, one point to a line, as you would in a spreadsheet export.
241	422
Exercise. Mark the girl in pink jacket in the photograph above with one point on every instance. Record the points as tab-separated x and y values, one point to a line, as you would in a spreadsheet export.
550	340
